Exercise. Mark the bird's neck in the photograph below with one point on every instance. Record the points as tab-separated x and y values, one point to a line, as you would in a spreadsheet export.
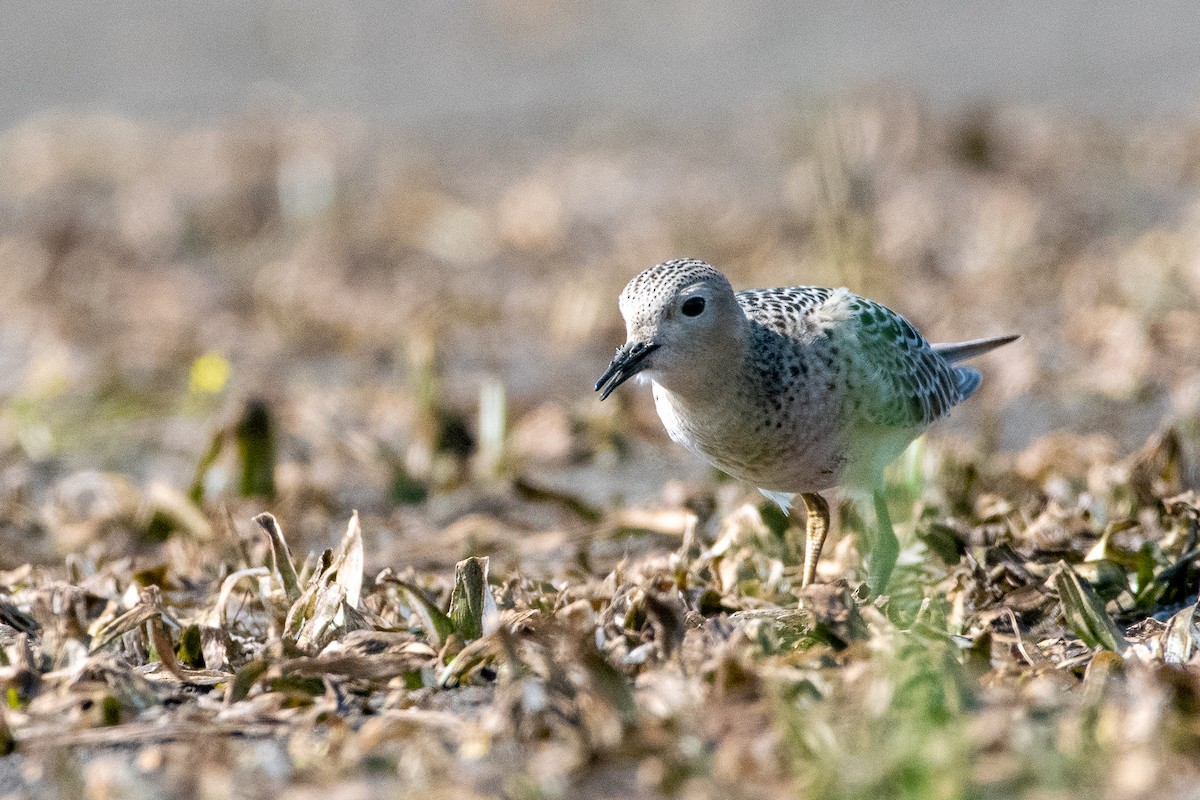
706	413
711	380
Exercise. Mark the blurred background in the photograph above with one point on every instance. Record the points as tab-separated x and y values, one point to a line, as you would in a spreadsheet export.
381	243
437	65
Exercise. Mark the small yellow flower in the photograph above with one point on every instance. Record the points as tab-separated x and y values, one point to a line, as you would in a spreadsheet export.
210	372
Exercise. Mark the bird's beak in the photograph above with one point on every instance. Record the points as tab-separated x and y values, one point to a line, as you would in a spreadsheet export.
629	361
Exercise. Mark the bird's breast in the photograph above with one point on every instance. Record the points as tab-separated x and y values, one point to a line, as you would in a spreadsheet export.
773	446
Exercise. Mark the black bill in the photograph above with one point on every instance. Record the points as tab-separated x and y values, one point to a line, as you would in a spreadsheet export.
629	361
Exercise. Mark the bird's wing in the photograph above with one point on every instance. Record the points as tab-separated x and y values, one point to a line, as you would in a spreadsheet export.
893	377
896	377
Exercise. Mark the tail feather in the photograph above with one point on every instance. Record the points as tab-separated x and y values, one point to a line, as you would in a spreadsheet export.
968	381
954	352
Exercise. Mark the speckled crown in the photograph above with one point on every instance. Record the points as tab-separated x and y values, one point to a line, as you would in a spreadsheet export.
663	281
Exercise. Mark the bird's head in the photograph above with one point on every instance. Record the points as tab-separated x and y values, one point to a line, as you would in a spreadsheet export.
680	318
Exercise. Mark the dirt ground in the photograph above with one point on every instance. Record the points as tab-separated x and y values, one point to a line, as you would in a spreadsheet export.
480	582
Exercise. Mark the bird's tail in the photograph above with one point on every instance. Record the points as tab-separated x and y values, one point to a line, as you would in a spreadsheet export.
954	352
968	379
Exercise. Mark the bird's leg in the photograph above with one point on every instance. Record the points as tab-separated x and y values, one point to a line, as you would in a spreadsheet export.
816	526
886	549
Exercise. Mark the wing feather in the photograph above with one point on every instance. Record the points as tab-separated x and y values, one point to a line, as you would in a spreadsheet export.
893	376
901	380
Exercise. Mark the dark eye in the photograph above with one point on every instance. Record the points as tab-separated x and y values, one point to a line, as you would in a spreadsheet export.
692	307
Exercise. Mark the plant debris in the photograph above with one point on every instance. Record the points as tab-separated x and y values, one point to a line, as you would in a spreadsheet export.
310	498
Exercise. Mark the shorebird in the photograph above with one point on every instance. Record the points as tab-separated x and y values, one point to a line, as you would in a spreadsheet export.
792	390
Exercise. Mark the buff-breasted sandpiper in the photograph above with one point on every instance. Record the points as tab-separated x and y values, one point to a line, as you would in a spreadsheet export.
793	390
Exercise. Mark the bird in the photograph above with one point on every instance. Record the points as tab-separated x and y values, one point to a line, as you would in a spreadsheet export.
794	390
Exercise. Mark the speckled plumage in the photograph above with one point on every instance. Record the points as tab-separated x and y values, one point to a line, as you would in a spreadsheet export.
794	390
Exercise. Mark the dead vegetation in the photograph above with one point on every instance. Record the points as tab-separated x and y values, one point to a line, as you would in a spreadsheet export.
302	490
1023	647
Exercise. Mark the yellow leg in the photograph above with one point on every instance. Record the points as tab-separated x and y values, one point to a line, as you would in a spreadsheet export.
816	527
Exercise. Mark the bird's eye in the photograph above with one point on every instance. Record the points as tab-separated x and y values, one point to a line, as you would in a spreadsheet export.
692	307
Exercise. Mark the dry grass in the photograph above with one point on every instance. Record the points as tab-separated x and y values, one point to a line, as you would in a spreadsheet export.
289	315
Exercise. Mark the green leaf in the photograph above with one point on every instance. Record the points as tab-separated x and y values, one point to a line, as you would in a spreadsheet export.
110	711
467	660
191	650
468	598
1085	611
8	742
438	626
256	450
195	491
942	540
281	555
245	679
1179	639
527	490
405	489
